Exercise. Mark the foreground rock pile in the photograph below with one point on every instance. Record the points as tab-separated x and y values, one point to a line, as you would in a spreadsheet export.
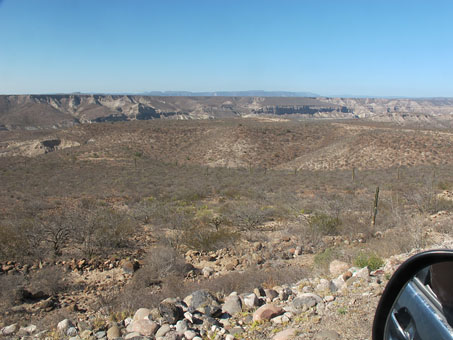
310	308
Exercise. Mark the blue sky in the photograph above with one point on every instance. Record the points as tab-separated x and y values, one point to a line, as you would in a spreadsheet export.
357	47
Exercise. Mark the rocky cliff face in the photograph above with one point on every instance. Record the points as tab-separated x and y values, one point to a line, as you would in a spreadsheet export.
54	111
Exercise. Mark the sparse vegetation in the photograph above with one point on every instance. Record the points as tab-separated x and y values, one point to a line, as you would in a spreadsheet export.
370	260
104	201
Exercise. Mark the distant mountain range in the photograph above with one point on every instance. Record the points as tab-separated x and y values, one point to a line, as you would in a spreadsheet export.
252	93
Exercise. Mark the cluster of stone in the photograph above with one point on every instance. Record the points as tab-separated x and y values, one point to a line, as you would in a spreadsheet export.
203	314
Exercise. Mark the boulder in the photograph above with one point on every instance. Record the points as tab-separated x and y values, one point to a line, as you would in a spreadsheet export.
113	332
23	331
144	327
203	302
271	294
207	271
181	327
363	273
164	329
337	284
170	311
267	312
189	334
9	330
306	299
71	332
129	267
251	300
142	313
232	305
287	334
64	325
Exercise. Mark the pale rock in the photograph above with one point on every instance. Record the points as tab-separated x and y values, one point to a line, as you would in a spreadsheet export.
189	334
64	325
323	285
259	292
337	284
285	293
164	329
306	299
289	315
100	334
307	289
363	273
232	305
320	307
72	331
181	326
329	298
298	251
267	312
127	321
144	327
287	334
132	335
113	332
188	316
337	267
24	331
142	313
229	337
278	319
207	271
86	334
9	330
251	300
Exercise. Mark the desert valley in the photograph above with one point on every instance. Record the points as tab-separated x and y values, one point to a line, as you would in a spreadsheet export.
134	217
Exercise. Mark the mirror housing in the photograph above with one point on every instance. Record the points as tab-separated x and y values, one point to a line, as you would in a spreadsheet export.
397	283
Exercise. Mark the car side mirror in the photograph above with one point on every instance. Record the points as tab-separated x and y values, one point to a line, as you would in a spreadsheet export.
417	303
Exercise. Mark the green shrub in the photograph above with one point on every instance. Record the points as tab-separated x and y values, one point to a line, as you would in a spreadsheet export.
324	224
370	260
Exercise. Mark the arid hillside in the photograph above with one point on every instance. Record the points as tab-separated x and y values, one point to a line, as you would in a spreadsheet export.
254	142
98	220
32	112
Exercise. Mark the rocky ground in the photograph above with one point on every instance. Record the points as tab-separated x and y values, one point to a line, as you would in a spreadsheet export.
339	305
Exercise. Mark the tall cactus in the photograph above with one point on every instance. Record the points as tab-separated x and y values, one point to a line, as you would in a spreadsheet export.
375	207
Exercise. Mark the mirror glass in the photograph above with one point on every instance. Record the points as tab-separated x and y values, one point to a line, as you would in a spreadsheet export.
424	307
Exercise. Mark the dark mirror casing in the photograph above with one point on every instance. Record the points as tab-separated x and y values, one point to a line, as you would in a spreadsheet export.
417	300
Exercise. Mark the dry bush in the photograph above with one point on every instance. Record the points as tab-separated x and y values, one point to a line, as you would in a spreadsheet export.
160	262
98	231
50	280
13	244
10	286
407	236
205	239
22	240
